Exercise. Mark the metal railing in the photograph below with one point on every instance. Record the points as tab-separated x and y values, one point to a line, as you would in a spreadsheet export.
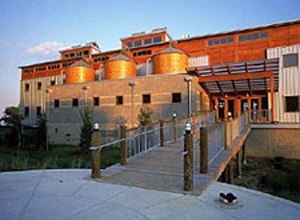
261	116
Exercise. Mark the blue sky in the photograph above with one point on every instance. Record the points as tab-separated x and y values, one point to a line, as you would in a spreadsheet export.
34	31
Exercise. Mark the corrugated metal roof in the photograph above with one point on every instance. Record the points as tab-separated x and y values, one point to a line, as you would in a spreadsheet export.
120	57
80	63
170	50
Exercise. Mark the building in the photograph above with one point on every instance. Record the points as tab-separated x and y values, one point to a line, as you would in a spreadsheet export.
149	66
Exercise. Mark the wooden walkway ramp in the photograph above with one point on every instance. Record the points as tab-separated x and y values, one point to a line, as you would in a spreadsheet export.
162	168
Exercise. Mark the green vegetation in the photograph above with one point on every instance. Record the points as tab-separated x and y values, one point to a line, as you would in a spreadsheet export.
144	116
59	157
278	176
86	130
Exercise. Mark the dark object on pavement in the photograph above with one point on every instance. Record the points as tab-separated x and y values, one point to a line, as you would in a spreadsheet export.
228	198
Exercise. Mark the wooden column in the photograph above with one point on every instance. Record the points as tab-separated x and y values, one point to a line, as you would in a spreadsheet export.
260	113
237	107
272	99
123	147
204	150
225	108
225	133
96	155
188	162
249	109
216	109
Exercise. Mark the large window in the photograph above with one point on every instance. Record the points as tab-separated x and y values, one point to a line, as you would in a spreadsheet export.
157	39
148	41
176	97
146	99
129	44
119	100
292	104
138	43
290	60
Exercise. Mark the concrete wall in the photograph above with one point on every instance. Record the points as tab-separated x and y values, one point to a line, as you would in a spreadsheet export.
65	121
272	142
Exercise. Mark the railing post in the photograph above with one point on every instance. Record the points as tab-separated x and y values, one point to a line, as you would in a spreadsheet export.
123	148
230	132
188	159
175	132
162	137
203	150
96	154
193	123
225	133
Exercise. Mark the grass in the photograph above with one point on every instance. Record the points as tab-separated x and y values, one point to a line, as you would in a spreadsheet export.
277	176
59	157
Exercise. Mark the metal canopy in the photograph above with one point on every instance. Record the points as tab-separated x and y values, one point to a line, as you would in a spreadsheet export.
238	78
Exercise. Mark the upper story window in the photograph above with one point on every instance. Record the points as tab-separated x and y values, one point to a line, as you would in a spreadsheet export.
26	87
128	44
292	104
142	53
55	66
67	56
39	69
98	59
28	71
56	103
148	41
72	55
290	60
138	43
220	41
86	53
253	36
157	39
79	54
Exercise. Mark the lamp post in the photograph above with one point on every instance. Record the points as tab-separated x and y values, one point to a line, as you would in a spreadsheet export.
189	80
85	88
48	91
132	84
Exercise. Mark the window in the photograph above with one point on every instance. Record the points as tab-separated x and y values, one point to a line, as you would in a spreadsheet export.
75	103
67	56
142	53
38	111
96	101
86	53
128	44
176	97
148	41
72	55
253	36
26	111
56	103
39	69
157	39
26	87
290	60
79	54
226	40
28	71
146	99
138	43
119	100
292	104
39	86
52	83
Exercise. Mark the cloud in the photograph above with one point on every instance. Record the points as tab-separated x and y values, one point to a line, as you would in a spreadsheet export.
47	49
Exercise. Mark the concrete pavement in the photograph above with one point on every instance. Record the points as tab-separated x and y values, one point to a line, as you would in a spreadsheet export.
71	194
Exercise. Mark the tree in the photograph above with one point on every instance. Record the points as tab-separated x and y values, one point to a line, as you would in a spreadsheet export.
13	119
41	141
145	116
86	130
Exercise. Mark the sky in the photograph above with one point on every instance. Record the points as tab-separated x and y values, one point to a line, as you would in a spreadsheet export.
34	31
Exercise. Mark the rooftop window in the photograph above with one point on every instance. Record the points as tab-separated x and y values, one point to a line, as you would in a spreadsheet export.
157	39
138	43
253	36
226	40
128	44
148	41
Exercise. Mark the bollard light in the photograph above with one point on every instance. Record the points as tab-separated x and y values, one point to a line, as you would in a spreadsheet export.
188	127
96	126
174	115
